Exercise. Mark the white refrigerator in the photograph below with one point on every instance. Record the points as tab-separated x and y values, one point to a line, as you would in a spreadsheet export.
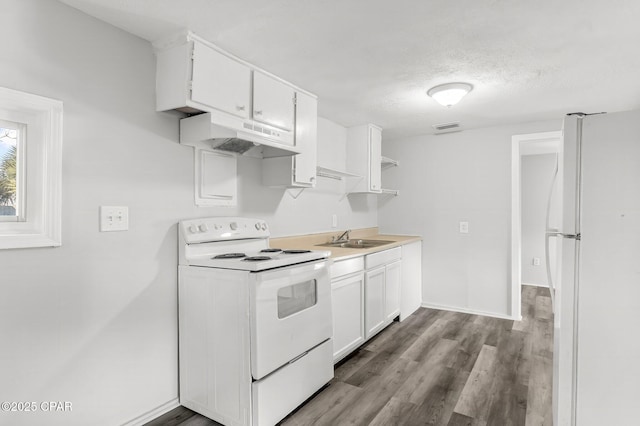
596	368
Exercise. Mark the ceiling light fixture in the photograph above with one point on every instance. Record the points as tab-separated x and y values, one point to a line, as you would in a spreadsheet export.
450	93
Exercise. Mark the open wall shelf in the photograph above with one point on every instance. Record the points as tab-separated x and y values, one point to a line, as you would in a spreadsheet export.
334	174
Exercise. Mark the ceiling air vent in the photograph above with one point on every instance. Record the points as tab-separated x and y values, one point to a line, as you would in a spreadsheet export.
447	127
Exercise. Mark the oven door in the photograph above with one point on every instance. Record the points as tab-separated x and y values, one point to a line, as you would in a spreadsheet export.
290	314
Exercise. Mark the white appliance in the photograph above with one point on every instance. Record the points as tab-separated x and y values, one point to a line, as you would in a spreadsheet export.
228	133
596	352
255	322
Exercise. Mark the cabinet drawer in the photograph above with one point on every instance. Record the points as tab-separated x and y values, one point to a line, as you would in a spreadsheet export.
383	257
345	267
281	392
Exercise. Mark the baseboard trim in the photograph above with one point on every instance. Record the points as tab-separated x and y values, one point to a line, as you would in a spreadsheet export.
153	414
469	311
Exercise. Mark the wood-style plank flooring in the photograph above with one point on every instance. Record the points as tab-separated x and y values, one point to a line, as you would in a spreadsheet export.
437	368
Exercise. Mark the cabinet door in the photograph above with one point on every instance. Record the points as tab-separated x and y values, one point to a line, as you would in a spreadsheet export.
393	281
347	296
220	82
375	157
272	102
374	306
411	287
215	178
306	135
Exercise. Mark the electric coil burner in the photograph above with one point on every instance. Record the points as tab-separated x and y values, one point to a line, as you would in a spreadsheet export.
256	258
230	256
255	330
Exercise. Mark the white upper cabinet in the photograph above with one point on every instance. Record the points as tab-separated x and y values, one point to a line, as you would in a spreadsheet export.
298	171
220	82
273	102
306	139
193	76
375	157
364	154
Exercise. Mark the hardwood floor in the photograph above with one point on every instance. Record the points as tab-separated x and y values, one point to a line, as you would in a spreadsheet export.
437	368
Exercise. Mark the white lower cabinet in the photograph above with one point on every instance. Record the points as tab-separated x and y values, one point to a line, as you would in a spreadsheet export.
383	278
348	310
374	295
393	282
365	292
347	296
411	287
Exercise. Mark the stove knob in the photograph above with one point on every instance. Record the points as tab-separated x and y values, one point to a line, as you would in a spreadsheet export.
203	227
193	229
233	226
264	226
258	226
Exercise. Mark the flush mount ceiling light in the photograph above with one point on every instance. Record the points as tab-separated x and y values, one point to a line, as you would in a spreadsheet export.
450	93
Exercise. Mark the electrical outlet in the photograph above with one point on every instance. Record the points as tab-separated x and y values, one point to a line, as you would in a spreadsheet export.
464	227
536	261
334	220
114	218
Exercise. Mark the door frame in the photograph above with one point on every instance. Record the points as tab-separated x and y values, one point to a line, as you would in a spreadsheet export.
530	143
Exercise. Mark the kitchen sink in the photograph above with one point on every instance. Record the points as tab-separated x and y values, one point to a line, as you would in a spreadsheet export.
357	244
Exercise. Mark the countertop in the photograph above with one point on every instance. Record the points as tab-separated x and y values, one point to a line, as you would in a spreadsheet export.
311	241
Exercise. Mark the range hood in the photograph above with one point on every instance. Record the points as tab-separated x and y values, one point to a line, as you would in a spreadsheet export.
232	134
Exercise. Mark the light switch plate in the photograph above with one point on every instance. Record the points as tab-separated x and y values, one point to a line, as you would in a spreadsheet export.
114	218
334	221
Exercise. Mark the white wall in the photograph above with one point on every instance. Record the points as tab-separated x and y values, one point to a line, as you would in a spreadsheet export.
444	180
536	175
94	322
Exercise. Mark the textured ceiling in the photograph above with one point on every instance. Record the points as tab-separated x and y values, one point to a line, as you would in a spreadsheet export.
373	60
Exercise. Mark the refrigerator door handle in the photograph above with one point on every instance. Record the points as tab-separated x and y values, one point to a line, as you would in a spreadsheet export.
562	235
551	232
547	257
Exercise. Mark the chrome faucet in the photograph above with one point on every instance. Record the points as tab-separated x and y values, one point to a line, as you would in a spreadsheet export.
343	238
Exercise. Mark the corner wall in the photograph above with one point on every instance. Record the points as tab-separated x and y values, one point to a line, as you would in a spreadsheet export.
447	179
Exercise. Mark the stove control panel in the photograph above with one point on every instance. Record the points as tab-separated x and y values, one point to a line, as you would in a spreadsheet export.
222	229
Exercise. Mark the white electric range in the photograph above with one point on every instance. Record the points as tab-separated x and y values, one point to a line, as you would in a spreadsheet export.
255	322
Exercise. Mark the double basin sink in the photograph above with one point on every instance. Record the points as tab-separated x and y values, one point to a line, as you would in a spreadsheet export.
363	244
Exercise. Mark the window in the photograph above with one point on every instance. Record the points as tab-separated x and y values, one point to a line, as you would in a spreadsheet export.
11	171
296	298
30	170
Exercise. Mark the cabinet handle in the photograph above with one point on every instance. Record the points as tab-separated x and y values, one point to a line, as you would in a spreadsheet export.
240	107
257	112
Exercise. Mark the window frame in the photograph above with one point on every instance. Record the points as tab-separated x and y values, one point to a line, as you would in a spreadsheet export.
40	224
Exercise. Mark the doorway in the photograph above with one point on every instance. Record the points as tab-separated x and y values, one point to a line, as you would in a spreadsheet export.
533	163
